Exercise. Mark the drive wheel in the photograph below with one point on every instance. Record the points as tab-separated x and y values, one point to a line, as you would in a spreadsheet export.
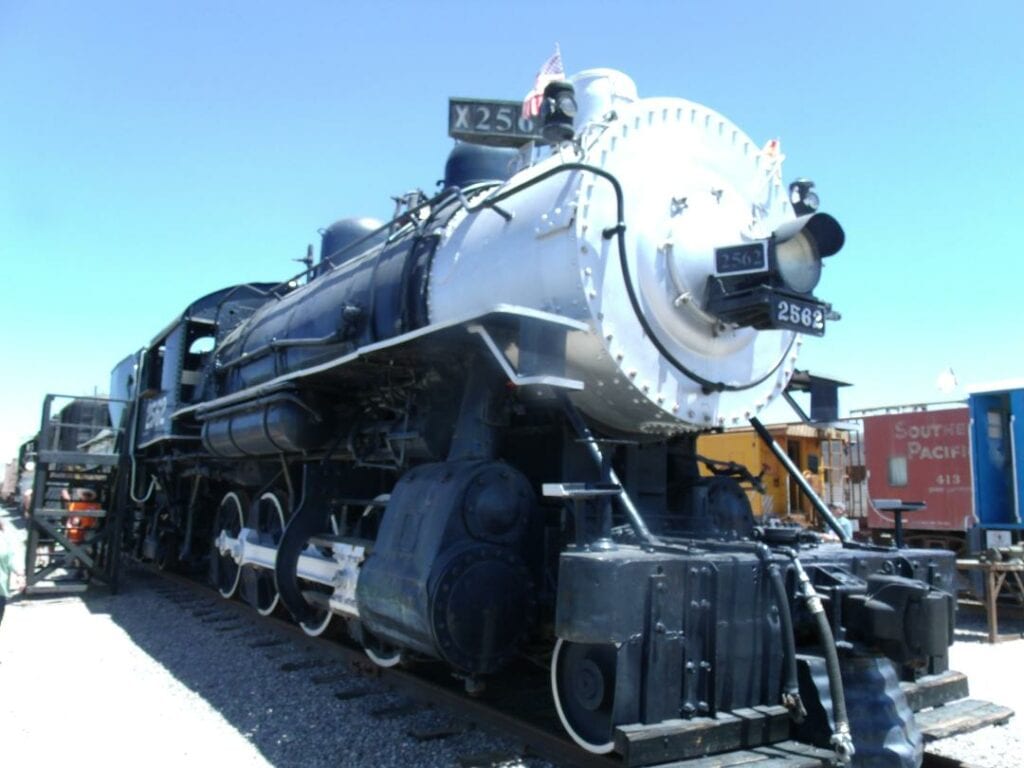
583	686
318	597
380	652
260	588
224	571
318	624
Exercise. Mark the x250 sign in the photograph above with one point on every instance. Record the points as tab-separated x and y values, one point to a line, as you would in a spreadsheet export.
498	123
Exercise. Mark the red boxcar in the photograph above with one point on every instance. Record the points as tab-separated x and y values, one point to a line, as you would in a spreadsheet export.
920	456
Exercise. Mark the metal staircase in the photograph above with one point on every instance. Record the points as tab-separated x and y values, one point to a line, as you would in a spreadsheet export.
74	519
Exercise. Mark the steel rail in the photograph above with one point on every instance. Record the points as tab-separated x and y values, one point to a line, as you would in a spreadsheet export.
440	688
524	722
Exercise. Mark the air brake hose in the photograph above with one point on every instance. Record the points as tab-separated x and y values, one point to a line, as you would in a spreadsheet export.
841	738
791	687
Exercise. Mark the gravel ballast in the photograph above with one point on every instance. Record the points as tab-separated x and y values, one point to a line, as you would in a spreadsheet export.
994	674
157	676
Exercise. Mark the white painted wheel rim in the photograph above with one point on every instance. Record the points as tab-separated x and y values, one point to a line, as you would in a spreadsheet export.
317	629
232	497
597	749
276	502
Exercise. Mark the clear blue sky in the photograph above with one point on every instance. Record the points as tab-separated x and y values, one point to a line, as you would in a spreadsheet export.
151	152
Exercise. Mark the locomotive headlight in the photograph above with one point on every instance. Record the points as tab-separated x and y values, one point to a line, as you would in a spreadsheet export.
799	264
801	244
768	284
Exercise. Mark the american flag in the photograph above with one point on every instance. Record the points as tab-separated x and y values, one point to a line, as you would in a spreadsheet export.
551	70
772	152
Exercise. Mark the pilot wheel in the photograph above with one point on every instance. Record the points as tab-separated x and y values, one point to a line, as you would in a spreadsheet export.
583	686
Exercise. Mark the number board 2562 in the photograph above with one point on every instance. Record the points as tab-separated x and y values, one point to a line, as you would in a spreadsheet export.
498	123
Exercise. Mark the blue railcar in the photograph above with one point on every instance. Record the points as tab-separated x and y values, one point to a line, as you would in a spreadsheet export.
997	462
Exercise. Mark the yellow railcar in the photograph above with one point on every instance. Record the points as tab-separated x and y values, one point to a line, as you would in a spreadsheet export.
829	457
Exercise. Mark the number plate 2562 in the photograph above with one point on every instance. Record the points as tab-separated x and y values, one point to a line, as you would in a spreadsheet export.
801	316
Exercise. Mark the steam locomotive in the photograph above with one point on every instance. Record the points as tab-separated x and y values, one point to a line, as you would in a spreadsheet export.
467	436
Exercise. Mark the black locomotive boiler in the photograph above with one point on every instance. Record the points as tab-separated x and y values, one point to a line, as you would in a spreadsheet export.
467	436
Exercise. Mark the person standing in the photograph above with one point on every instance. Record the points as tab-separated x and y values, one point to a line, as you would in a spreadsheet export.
839	512
6	569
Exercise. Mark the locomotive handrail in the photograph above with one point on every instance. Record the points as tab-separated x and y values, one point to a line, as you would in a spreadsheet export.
272	346
87	398
283	380
51	426
132	415
464	201
386	227
205	414
411	224
617	231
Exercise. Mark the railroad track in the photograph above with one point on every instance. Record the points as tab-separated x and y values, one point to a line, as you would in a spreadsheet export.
332	662
523	714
